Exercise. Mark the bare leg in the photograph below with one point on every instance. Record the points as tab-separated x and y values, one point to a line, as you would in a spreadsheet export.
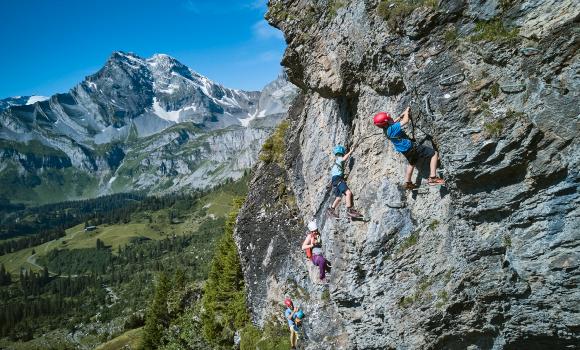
336	202
348	195
433	165
409	172
292	337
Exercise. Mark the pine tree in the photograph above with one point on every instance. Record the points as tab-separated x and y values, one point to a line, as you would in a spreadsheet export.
157	319
224	300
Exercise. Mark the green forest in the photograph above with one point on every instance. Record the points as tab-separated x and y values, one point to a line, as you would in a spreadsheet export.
86	286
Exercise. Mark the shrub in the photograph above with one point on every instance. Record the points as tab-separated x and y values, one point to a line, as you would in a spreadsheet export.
395	11
409	241
273	148
493	129
493	31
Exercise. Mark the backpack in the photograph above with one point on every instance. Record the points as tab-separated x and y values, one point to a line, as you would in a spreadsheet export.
309	250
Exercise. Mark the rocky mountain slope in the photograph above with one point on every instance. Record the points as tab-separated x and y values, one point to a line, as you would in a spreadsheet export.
488	262
19	101
137	124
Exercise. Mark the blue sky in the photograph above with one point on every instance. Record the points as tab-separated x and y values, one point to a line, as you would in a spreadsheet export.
50	45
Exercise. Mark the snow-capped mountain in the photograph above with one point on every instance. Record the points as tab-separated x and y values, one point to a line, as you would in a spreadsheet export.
20	100
137	124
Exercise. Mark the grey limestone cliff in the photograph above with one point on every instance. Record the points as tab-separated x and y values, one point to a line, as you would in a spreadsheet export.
490	261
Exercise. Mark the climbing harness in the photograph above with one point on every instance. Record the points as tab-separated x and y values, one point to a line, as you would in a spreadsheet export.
512	88
452	79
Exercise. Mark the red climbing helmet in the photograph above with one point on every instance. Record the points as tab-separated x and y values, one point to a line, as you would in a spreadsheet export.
382	119
288	302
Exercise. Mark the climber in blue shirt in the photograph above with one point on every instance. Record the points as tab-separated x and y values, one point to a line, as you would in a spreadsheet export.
294	317
339	183
412	151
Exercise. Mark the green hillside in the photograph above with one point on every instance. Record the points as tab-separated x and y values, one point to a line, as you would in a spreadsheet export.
103	274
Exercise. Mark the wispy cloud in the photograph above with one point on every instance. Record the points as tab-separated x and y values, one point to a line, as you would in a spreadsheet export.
269	56
191	6
258	4
262	30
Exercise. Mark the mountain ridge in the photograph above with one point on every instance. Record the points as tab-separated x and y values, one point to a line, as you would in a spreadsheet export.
90	130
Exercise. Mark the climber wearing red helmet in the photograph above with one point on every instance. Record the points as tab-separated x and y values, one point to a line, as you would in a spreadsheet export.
290	316
408	147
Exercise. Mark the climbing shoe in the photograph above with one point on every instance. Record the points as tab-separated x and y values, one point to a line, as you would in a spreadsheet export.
434	180
410	186
353	213
331	212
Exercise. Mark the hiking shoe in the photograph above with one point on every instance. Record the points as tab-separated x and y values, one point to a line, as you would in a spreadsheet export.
332	212
410	186
432	181
353	213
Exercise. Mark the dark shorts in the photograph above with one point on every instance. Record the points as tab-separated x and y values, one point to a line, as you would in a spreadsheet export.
339	186
418	152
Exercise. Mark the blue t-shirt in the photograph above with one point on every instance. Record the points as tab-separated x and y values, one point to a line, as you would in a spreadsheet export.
290	321
337	167
398	137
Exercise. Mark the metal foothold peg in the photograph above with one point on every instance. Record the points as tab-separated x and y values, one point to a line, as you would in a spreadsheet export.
396	205
529	51
457	157
452	79
466	132
428	107
556	87
512	88
421	190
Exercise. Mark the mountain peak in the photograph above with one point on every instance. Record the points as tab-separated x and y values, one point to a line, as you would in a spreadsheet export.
125	58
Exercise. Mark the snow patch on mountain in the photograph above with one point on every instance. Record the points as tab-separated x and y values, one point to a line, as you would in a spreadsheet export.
163	113
34	99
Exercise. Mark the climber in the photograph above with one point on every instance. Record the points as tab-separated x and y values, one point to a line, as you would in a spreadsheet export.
312	245
293	321
339	183
408	147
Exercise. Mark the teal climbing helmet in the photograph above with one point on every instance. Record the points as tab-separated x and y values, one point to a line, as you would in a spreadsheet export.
339	149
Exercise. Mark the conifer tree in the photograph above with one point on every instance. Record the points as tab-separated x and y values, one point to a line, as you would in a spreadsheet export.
157	318
224	299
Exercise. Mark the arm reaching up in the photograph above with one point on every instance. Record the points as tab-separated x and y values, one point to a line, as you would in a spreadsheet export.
346	156
405	117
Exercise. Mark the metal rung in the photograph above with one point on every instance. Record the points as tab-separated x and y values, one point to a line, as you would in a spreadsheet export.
396	205
556	87
456	157
512	88
421	190
529	51
466	132
452	79
428	107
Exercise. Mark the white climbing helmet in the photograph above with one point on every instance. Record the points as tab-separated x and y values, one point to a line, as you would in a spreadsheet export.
312	226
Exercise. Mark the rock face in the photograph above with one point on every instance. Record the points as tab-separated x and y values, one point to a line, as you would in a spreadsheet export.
488	262
137	124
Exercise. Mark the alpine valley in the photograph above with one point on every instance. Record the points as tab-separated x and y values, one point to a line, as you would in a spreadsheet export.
138	124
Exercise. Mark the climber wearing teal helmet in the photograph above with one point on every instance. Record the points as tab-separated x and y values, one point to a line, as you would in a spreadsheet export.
412	151
339	183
